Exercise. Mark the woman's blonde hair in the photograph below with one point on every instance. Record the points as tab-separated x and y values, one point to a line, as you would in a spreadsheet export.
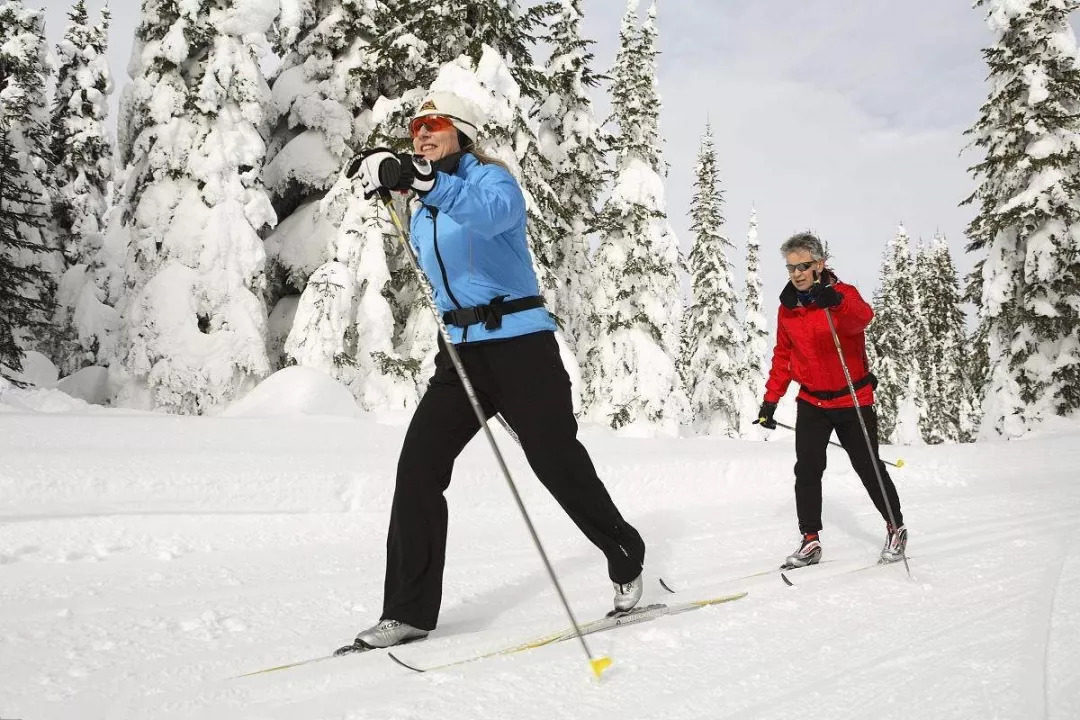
484	158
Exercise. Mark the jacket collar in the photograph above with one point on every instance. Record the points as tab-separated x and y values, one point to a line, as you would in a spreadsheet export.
789	296
468	162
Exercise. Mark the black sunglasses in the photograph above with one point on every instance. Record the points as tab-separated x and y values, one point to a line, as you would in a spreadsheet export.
801	267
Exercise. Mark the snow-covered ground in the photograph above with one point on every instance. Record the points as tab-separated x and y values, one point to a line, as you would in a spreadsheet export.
146	559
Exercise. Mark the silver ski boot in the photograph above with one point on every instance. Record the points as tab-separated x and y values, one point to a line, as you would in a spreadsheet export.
628	594
809	553
895	544
384	634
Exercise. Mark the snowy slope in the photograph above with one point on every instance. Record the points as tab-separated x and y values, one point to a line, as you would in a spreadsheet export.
146	559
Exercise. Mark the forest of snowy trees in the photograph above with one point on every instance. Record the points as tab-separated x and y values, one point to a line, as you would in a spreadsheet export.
215	241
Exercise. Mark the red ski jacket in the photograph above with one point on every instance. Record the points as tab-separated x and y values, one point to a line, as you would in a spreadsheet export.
806	354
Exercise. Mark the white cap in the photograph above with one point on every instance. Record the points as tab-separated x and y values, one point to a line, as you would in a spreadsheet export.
465	115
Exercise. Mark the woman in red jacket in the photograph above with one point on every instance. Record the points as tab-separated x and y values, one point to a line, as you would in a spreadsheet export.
805	352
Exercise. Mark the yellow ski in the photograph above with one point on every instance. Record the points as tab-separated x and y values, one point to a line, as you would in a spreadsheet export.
635	616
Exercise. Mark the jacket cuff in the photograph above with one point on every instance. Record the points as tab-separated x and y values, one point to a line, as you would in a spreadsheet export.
440	191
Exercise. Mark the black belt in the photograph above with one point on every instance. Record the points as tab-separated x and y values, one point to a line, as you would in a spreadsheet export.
870	379
492	313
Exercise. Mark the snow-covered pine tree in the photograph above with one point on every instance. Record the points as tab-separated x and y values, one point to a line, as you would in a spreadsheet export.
922	353
333	309
1028	216
711	336
418	37
194	319
631	367
82	149
891	333
576	144
753	353
311	114
940	346
29	262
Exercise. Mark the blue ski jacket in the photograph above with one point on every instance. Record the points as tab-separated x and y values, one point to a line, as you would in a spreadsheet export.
470	237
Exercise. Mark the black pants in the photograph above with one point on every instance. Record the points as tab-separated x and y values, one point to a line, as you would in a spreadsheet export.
524	379
813	426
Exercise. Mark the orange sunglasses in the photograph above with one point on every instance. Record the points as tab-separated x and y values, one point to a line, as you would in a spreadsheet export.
433	124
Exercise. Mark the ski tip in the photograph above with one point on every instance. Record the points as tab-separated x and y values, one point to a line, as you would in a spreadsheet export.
599	665
403	664
664	585
786	581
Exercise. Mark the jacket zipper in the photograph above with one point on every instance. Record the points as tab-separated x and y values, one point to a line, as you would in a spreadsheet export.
433	212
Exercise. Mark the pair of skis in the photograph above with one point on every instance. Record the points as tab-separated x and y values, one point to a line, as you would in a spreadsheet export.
611	621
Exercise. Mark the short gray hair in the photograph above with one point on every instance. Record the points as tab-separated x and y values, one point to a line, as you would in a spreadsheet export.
804	241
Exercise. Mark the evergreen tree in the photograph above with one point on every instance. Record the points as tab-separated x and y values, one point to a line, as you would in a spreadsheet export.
711	332
631	373
891	332
940	346
324	44
1028	276
418	37
84	167
194	320
329	254
29	264
577	146
753	365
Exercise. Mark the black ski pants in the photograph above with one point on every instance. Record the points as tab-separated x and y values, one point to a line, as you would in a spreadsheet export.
813	426
524	379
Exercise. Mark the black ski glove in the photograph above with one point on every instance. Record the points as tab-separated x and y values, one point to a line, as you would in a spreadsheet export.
824	296
765	415
382	169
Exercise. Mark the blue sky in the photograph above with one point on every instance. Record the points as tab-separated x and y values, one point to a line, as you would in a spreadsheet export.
842	117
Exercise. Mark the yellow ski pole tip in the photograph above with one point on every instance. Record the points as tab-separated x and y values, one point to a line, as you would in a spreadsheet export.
899	462
599	665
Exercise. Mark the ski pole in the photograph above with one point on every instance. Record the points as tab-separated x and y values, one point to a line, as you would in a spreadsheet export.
898	464
598	664
865	432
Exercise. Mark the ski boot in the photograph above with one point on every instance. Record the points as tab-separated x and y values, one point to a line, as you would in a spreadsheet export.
808	553
627	595
383	634
895	544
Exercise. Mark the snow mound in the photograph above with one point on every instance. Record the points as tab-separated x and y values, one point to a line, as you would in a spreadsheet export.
38	370
38	400
91	384
295	391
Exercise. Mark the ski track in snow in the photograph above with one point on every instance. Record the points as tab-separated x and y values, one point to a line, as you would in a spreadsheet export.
146	560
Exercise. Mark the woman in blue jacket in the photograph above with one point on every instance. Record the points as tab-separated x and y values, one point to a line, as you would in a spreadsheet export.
469	235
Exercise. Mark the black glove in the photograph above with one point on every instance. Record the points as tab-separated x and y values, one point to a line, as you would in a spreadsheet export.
824	296
382	169
765	415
